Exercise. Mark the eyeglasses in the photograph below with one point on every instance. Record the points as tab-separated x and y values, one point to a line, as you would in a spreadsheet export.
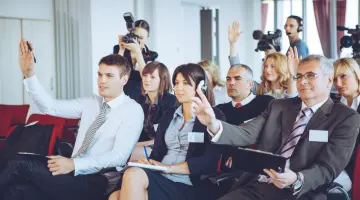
307	76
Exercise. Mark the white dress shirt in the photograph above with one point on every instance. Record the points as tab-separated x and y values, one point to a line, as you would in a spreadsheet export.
245	101
355	102
114	140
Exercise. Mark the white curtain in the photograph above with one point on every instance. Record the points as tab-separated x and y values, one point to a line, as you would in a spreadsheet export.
73	48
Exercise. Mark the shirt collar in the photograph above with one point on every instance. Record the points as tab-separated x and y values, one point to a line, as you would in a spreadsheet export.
245	101
355	103
147	99
315	107
178	113
117	101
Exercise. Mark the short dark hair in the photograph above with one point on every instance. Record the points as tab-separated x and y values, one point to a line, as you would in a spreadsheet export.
297	18
142	24
119	61
195	73
165	83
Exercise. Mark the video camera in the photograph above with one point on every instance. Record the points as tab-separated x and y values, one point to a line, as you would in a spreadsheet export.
130	25
265	40
351	41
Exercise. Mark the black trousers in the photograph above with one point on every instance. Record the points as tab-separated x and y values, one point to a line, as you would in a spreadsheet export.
255	190
28	177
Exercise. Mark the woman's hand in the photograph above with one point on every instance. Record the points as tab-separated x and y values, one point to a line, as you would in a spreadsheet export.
121	46
293	61
156	163
133	47
143	160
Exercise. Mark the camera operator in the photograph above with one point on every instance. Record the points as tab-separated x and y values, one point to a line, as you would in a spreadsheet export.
292	28
138	55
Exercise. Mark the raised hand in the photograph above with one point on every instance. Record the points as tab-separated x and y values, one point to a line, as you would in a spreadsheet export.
121	46
204	111
293	60
26	58
234	32
133	47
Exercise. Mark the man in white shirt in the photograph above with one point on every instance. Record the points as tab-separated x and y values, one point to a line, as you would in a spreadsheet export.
314	134
109	129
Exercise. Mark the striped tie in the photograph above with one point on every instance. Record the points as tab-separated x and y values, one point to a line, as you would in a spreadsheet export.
298	129
92	129
293	139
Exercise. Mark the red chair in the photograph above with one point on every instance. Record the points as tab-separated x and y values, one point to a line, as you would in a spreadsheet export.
356	178
58	123
18	112
11	115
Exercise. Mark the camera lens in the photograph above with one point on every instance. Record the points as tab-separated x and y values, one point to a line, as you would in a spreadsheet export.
346	41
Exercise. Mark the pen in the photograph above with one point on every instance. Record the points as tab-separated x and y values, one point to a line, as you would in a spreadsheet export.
146	154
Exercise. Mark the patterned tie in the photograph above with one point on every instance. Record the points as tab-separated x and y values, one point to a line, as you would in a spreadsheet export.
293	139
296	133
92	129
238	105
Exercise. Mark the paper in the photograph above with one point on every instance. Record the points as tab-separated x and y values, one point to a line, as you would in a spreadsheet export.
31	124
145	166
318	136
196	137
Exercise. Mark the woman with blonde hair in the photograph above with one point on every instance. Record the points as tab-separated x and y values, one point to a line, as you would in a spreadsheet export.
277	75
347	83
213	74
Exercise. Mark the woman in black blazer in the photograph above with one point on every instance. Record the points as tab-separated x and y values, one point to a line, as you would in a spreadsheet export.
182	144
155	101
138	55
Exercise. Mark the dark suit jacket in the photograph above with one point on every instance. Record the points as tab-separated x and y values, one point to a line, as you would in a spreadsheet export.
320	163
165	102
202	158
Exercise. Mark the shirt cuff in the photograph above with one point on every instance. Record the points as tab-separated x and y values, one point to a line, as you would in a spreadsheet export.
216	136
31	83
234	60
80	165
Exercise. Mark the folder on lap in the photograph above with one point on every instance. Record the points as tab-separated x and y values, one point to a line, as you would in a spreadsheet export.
145	166
255	161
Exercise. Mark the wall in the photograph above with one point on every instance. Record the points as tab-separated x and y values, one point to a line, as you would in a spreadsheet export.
107	23
30	9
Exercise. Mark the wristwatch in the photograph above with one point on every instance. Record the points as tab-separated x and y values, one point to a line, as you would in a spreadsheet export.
298	183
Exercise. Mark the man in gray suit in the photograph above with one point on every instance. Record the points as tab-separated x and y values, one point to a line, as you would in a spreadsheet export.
316	135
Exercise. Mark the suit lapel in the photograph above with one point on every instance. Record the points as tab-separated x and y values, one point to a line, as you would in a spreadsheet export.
288	120
358	109
319	116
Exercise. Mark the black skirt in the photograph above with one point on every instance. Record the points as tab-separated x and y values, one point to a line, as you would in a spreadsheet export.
163	188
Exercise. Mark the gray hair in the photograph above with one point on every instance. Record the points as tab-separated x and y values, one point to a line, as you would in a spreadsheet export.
249	72
325	65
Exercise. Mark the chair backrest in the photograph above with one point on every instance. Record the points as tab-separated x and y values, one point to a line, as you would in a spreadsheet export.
356	178
5	123
18	112
47	119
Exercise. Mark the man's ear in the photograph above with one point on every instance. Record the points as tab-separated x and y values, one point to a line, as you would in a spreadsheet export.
124	79
250	84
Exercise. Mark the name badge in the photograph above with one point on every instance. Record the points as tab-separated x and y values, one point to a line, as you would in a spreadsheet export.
318	136
196	137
